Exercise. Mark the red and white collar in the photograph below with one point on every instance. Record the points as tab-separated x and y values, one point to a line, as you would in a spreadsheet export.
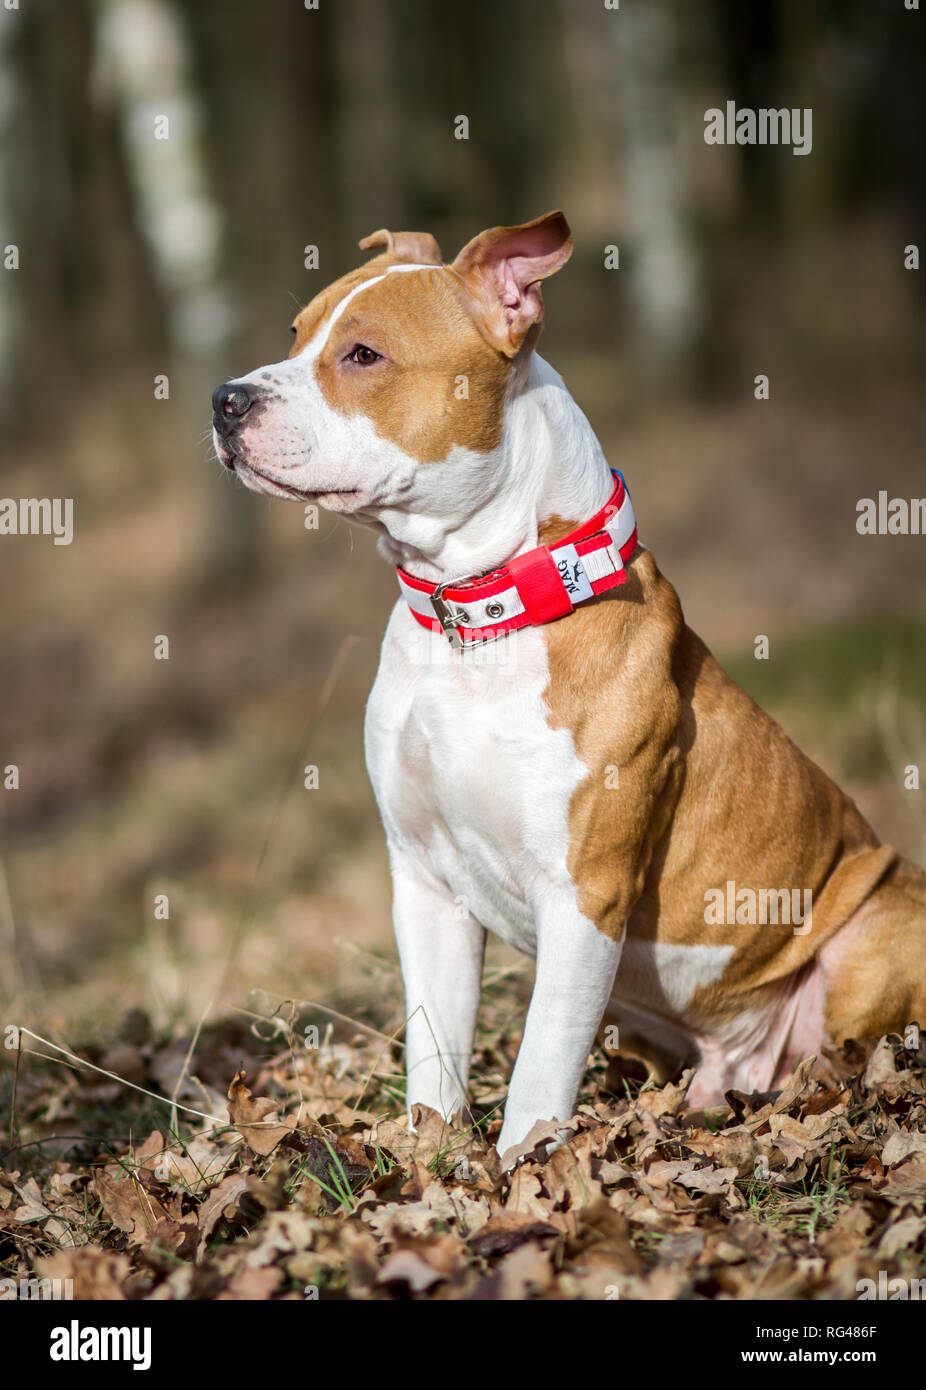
534	588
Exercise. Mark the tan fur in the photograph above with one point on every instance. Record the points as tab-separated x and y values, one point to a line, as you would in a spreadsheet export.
418	248
442	386
711	789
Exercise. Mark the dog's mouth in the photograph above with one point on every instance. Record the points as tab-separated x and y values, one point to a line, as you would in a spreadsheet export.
335	499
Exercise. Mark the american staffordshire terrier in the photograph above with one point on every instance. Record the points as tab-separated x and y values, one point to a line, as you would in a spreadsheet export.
556	756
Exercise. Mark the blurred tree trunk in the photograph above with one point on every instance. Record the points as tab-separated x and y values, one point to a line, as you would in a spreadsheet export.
662	263
367	122
85	291
808	185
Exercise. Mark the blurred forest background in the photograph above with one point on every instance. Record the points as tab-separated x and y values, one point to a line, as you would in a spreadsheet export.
141	257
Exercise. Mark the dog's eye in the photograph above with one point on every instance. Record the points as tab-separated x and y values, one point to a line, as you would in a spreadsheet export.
293	329
363	355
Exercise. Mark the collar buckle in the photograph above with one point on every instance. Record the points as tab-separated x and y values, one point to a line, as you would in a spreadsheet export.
452	618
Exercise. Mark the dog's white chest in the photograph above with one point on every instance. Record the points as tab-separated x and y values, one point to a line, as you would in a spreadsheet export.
470	778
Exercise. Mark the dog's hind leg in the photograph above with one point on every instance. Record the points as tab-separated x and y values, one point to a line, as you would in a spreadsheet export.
875	966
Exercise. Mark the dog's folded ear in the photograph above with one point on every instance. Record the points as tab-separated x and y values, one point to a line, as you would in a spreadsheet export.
418	248
501	270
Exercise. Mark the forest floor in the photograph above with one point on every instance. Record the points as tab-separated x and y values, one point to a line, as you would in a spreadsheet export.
305	1183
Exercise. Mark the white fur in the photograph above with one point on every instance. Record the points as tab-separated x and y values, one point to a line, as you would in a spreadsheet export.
474	789
666	976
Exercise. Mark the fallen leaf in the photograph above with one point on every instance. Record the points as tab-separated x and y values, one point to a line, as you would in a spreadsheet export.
221	1202
408	1267
249	1116
901	1145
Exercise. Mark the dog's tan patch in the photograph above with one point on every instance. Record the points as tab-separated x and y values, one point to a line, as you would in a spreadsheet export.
690	785
310	319
440	385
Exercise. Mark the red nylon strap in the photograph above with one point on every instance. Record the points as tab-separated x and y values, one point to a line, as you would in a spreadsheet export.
535	576
539	584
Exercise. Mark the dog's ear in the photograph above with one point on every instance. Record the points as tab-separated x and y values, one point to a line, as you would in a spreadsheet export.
501	270
418	248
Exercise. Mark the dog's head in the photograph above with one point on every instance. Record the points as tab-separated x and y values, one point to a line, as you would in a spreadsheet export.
401	365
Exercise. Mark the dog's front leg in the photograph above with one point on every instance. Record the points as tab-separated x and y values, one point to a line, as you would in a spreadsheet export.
441	950
576	965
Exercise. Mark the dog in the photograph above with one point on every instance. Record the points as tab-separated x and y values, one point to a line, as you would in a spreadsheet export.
600	794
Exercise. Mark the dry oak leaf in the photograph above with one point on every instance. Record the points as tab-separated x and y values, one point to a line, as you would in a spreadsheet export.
395	1137
525	1193
568	1173
330	1162
353	1249
797	1139
465	1211
657	1209
200	1165
664	1284
849	1232
35	1210
662	1171
652	1136
174	1239
882	1067
797	1086
908	1179
901	1144
452	1206
423	1263
526	1271
668	1099
681	1248
33	1207
129	1206
416	1179
438	1139
900	1236
222	1201
709	1180
734	1147
281	1233
249	1116
605	1232
610	1172
408	1267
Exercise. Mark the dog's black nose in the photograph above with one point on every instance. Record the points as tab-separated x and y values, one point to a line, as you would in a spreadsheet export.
230	403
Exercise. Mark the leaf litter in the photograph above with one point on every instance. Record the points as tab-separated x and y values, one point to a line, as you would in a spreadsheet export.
316	1186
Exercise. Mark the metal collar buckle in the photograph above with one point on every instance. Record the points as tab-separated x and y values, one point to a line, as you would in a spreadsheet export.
450	619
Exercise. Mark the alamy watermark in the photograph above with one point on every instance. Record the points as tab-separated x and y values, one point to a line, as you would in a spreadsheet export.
731	906
891	1289
53	1289
767	125
891	516
38	516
